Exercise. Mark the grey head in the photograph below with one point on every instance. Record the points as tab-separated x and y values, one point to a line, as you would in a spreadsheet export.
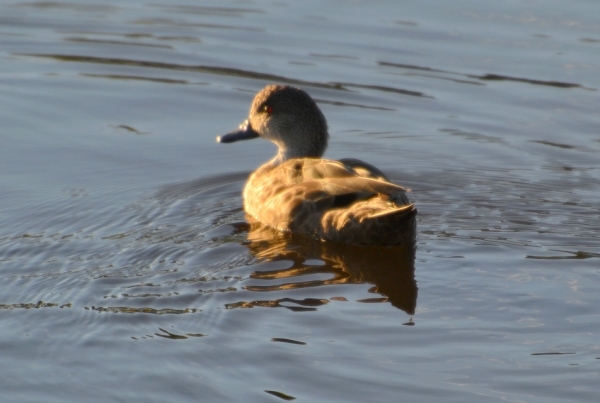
288	117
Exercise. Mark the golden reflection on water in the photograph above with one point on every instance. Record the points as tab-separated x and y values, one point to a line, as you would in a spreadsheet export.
390	269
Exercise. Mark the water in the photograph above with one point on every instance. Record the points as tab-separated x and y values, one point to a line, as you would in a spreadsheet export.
129	272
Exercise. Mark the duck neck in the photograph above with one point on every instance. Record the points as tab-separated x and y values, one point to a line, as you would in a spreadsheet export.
298	151
282	156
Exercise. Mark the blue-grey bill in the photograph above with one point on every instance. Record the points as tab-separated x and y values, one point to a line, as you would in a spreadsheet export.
243	132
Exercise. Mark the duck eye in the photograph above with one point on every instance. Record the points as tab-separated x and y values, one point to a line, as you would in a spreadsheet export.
267	109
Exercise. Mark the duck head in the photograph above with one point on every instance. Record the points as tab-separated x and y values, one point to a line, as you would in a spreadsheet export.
288	117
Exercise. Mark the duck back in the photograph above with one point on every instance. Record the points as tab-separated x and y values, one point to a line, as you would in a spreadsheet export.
330	200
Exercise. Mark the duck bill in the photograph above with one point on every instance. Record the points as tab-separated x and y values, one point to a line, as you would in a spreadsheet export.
244	132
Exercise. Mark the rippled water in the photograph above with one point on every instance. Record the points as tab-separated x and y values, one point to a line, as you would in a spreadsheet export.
129	272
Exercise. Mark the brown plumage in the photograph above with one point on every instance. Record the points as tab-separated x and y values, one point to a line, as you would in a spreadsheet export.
347	201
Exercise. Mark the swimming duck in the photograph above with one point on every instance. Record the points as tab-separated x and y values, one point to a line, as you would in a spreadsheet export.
346	201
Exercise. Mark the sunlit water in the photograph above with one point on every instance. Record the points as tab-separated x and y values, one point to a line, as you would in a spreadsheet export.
128	270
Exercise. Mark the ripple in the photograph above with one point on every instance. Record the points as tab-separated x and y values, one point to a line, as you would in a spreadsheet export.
226	71
280	395
113	42
307	304
137	78
129	310
37	305
290	341
489	76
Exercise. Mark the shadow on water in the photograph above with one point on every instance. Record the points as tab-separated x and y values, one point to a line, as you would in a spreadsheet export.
315	264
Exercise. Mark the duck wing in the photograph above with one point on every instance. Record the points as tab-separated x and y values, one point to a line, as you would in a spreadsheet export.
364	168
338	179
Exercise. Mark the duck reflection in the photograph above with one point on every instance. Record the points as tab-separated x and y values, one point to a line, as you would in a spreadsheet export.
390	269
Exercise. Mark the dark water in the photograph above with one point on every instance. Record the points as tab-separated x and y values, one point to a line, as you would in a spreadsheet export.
128	271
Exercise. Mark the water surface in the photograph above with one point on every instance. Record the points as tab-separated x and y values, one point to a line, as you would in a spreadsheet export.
129	271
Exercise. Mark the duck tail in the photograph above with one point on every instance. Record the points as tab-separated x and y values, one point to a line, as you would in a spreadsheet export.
395	226
364	226
399	211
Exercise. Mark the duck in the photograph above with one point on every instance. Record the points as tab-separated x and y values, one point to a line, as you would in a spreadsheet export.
345	201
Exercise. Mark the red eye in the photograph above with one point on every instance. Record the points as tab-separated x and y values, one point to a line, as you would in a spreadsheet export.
268	108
